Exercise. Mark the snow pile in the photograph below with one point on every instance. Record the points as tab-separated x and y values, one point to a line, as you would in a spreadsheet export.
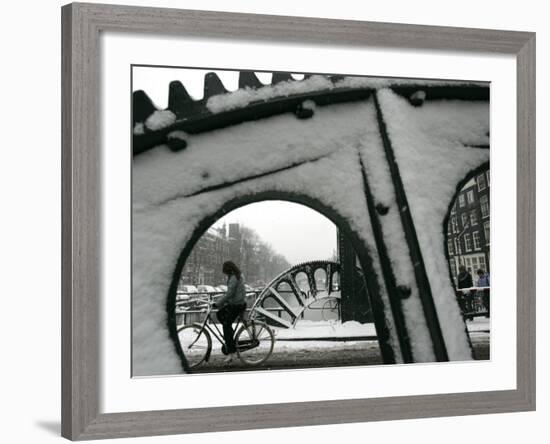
160	119
325	329
139	129
378	83
242	97
479	325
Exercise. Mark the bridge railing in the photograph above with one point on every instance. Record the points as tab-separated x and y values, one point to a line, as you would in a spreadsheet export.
193	308
474	301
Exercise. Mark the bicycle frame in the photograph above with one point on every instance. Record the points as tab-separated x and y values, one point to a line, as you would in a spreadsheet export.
215	331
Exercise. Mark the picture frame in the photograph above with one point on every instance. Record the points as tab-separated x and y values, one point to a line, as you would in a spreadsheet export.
81	240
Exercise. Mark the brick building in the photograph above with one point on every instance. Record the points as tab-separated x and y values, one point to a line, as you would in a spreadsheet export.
204	265
258	262
468	230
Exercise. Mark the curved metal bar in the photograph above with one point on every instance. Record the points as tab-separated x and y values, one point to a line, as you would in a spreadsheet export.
289	277
473	173
370	277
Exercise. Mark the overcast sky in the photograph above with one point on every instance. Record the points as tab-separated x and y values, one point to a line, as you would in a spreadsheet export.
293	230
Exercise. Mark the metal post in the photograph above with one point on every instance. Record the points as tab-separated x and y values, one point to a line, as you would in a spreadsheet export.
387	272
350	301
409	229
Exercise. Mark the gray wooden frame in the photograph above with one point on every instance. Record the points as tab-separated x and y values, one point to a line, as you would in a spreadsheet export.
82	24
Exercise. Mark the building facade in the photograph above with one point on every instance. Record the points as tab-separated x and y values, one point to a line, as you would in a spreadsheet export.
469	227
204	264
237	243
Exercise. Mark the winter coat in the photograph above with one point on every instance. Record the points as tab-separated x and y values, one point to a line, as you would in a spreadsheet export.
235	294
464	280
483	281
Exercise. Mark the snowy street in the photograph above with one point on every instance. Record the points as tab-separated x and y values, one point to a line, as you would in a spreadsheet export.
325	344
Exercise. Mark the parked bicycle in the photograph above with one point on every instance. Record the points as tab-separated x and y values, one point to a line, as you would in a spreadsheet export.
253	338
330	309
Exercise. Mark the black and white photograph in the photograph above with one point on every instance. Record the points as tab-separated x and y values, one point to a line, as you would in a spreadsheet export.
307	220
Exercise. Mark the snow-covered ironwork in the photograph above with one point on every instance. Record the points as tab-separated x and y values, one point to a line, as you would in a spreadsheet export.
253	100
379	157
292	297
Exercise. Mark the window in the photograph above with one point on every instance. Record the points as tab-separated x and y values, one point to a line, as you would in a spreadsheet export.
471	265
464	218
467	242
484	201
481	184
477	243
470	196
457	246
473	218
487	232
450	247
454	224
461	200
482	264
488	178
474	263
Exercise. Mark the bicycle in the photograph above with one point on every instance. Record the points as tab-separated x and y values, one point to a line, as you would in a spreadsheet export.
254	339
331	309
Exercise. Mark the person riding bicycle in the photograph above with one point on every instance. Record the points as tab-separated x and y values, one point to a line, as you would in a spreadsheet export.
231	305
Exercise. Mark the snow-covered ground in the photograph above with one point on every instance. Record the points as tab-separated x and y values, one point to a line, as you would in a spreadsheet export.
332	334
350	329
479	324
325	329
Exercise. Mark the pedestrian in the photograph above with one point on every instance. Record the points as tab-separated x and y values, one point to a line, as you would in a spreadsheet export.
484	281
231	306
464	279
483	278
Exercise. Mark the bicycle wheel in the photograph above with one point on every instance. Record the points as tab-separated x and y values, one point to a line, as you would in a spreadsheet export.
330	309
254	343
195	344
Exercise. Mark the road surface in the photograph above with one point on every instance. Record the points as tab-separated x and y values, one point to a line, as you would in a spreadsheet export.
318	354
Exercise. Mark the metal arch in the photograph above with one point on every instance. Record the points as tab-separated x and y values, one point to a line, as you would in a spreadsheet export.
365	264
272	292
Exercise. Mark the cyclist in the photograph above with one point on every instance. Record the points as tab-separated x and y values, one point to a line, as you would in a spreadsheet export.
231	305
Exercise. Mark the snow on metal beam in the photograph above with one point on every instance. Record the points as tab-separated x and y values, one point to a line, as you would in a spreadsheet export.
271	317
254	100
